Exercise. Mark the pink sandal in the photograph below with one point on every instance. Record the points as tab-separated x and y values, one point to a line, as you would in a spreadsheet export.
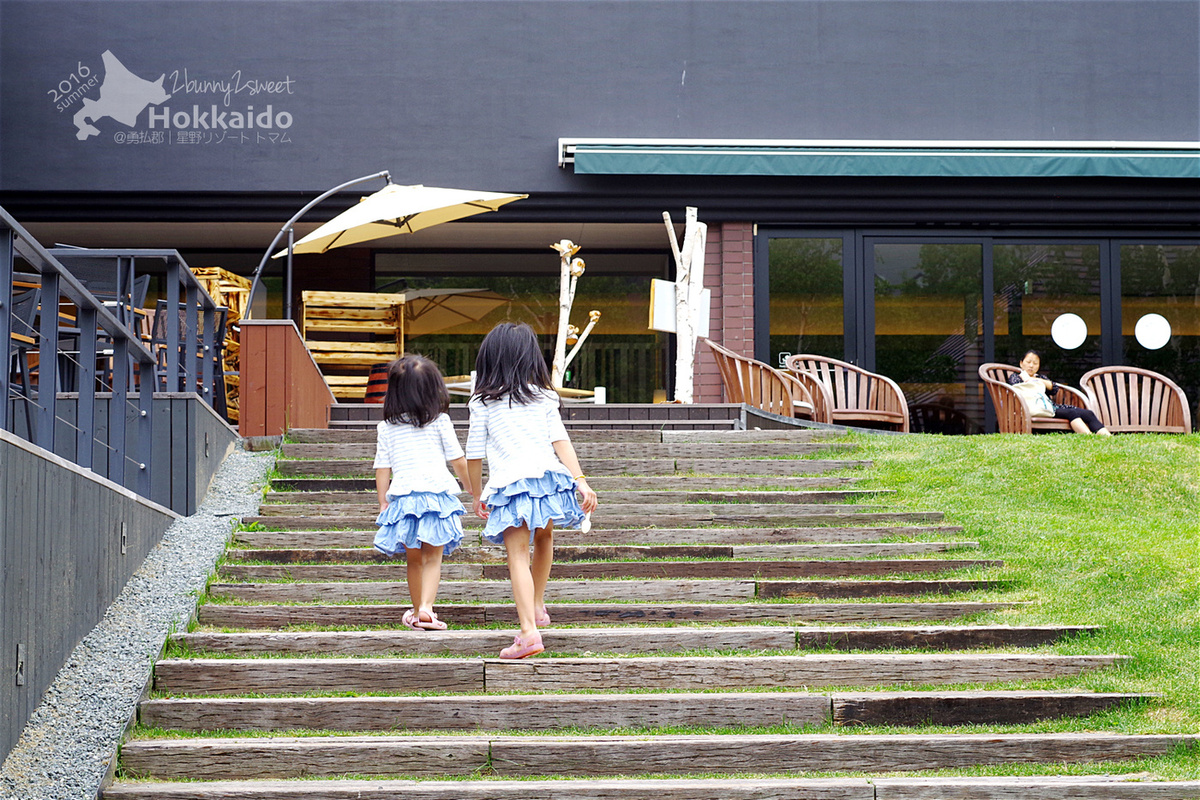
522	649
542	618
409	620
433	624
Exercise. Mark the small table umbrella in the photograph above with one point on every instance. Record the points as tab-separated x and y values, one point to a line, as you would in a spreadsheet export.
433	310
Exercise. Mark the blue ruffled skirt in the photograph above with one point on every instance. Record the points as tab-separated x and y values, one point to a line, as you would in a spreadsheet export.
419	518
534	502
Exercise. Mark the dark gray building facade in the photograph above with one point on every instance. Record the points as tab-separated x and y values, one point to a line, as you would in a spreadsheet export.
915	186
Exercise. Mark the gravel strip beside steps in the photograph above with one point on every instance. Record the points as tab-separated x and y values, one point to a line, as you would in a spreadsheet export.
65	750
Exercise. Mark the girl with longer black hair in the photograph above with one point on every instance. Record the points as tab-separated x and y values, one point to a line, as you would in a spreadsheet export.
533	470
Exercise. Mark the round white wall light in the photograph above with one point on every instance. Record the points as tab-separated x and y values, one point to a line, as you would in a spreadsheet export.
1152	331
1068	331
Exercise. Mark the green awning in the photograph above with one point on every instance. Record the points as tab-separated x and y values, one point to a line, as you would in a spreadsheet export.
921	161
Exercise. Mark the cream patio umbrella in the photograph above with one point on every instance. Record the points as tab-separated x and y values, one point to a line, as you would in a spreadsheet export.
396	209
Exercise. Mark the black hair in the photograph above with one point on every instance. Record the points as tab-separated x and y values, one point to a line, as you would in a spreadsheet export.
1033	353
510	363
416	392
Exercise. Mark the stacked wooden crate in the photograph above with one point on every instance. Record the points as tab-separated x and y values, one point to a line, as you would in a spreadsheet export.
233	292
348	332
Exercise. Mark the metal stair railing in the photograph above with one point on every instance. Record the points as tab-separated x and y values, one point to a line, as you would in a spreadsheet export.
188	363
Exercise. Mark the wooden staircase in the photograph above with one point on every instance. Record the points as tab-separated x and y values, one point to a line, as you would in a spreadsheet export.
735	615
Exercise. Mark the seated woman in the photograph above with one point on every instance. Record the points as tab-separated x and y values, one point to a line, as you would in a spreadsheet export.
1081	419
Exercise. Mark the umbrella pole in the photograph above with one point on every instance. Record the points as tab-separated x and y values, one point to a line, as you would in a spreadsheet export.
287	226
400	330
287	276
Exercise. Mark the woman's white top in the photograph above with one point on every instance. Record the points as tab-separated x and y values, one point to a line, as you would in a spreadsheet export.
418	456
517	440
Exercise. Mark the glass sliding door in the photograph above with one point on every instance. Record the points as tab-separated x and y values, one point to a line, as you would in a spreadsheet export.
929	329
1048	298
805	297
926	309
1160	312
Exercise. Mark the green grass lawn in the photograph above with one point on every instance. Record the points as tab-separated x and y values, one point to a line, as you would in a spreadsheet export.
1093	530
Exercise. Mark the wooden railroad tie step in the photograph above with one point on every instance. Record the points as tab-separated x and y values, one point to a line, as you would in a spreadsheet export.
602	552
590	452
520	756
225	676
604	483
629	640
736	512
382	615
615	711
653	436
650	589
625	536
721	424
631	517
1032	787
625	466
614	569
355	502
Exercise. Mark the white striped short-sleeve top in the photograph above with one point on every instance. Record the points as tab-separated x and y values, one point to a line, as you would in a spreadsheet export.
418	456
517	440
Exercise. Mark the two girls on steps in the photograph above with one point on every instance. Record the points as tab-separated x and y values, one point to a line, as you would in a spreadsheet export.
533	474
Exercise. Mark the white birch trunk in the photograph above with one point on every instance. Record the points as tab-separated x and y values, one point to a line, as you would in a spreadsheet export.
568	277
689	282
593	318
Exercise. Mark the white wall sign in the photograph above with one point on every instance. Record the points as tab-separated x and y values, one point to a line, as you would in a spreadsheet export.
662	307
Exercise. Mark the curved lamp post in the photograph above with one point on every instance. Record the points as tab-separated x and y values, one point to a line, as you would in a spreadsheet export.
288	229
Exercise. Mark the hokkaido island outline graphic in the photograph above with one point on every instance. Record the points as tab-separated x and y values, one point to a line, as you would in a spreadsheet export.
123	97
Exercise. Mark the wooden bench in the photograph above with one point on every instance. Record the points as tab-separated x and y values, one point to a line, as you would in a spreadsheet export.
1128	399
373	318
764	387
856	396
1012	415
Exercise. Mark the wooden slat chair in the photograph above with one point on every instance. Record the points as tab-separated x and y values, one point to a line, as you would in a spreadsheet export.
325	318
857	397
1012	415
761	386
818	393
1128	399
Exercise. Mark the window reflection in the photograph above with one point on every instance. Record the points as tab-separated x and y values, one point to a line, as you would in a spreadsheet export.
621	354
806	297
1163	279
928	331
1035	284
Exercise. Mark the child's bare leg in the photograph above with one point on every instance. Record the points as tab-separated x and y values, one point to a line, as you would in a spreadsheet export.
1079	426
431	575
516	544
414	558
543	559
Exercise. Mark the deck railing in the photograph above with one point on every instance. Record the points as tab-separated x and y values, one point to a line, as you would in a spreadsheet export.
106	356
